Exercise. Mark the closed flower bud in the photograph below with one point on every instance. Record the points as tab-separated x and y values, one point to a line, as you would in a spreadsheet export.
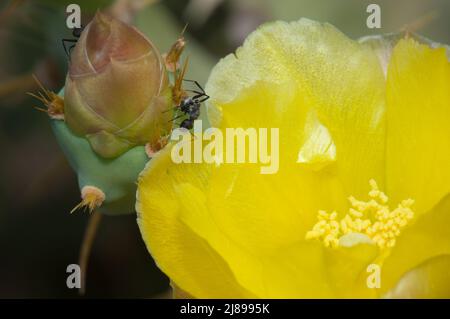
116	89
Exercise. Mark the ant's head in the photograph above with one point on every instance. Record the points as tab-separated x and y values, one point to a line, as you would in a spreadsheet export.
76	32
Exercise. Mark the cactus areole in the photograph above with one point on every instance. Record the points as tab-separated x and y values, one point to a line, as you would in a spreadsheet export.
115	95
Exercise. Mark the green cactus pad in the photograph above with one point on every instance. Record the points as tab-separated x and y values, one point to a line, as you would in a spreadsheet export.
115	177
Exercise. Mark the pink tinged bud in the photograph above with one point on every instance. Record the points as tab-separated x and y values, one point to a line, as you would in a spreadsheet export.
117	88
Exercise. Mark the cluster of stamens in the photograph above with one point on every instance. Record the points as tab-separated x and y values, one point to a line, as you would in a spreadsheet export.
372	218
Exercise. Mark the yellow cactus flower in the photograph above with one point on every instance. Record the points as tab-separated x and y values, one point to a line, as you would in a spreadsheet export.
363	186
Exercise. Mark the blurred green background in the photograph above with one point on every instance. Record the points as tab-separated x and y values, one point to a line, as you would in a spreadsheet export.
38	236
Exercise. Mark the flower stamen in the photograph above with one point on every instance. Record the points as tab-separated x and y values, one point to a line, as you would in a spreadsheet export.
372	218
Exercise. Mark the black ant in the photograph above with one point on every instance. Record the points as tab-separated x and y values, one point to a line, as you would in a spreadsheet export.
76	33
190	106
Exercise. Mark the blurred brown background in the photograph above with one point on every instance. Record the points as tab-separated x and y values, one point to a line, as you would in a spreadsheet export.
38	236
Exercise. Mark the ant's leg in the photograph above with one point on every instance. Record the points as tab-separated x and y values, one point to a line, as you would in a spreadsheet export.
71	48
199	96
197	84
204	99
64	45
196	92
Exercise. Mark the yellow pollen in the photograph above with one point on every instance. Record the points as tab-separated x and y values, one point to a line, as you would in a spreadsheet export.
372	218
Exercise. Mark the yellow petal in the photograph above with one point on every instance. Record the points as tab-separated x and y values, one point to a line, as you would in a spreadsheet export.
264	213
287	73
308	270
177	293
307	79
430	279
348	270
259	238
189	260
427	238
196	215
297	271
418	132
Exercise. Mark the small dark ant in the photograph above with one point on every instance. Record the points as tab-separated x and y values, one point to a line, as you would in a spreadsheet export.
76	33
190	106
